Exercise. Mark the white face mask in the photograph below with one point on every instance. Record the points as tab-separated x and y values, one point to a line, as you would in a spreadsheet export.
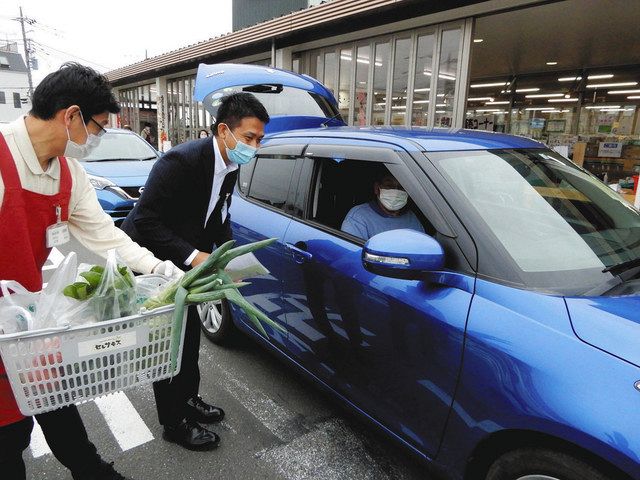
393	199
77	151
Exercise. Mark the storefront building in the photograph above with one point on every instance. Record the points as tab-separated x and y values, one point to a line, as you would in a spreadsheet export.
565	72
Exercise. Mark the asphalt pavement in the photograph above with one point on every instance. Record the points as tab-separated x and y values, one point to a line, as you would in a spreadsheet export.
278	425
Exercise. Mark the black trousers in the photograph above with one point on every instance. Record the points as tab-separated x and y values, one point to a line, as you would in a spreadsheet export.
65	434
172	394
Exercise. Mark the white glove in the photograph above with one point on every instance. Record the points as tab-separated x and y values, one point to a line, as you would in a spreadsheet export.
168	269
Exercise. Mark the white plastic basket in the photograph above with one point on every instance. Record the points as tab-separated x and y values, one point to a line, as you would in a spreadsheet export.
49	369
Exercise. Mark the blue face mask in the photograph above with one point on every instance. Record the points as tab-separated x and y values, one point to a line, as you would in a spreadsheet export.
242	154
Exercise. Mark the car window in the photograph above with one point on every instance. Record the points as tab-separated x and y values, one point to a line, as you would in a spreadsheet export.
340	195
554	220
271	180
121	146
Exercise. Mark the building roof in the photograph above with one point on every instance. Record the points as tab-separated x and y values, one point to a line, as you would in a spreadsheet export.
16	63
324	15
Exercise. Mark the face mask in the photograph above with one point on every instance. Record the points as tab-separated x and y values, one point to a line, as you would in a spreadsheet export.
392	199
203	135
242	154
77	151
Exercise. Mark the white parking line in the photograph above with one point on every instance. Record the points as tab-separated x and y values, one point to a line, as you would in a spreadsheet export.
123	419
38	444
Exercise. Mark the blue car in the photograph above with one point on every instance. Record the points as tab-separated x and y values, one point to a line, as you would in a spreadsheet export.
118	169
500	343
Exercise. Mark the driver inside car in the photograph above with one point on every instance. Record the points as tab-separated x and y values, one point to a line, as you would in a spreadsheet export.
388	211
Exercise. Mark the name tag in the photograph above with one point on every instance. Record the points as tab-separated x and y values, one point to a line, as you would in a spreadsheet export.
57	234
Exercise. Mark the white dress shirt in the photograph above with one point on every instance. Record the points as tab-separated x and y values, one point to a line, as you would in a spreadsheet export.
88	222
220	171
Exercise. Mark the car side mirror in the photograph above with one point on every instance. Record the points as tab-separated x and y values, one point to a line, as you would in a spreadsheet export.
404	253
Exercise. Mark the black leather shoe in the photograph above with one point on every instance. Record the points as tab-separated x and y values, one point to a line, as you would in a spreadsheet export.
191	436
200	411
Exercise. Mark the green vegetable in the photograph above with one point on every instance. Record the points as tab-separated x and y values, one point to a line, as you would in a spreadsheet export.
208	282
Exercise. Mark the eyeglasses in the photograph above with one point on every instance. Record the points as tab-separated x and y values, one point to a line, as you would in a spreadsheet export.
102	130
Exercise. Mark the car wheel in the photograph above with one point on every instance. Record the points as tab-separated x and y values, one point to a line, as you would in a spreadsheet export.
216	322
542	464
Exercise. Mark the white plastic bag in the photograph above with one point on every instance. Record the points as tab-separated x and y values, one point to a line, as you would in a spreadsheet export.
53	305
17	309
115	295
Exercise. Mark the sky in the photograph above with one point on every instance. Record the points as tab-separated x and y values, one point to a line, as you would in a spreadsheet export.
110	34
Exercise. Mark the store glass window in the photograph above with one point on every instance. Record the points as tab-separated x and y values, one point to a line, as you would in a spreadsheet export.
380	73
363	63
445	93
400	81
344	92
422	82
330	70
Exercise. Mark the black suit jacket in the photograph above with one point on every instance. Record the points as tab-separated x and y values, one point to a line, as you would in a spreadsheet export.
169	217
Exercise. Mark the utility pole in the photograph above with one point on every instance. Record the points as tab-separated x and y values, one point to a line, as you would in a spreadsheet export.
26	52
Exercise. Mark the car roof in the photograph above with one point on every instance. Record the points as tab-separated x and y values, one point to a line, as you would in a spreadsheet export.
417	138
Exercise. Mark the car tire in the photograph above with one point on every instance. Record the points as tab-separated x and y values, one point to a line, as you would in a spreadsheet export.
216	321
542	464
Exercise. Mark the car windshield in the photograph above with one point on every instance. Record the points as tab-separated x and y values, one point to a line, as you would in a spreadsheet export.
121	146
548	214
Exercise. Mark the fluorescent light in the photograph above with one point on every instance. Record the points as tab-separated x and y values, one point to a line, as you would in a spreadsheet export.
552	63
616	110
563	99
484	85
421	89
600	77
441	111
522	90
480	99
441	104
605	85
421	101
505	91
446	77
440	95
565	111
360	60
478	40
544	109
615	92
399	107
634	97
498	103
592	107
492	110
545	95
569	79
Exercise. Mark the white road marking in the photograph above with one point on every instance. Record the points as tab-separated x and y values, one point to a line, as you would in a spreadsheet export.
38	444
331	451
123	419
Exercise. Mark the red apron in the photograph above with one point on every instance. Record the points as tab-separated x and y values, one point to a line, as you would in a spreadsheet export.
24	217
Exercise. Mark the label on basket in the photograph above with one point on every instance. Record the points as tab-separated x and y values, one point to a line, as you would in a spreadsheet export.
106	344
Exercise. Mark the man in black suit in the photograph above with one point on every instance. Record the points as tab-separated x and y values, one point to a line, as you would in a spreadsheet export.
181	216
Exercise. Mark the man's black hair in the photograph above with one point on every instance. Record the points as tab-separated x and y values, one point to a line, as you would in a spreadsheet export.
73	84
235	107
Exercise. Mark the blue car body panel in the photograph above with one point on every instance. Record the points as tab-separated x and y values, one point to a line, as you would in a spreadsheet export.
419	138
525	370
608	323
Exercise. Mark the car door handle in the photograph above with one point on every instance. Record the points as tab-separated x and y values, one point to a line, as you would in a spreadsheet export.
299	254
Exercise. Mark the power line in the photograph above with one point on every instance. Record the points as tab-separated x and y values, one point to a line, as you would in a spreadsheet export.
69	54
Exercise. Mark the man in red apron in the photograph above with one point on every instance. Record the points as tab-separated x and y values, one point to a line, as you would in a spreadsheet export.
44	197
